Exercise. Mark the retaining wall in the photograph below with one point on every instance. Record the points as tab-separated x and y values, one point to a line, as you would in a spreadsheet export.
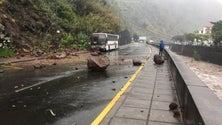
199	105
209	54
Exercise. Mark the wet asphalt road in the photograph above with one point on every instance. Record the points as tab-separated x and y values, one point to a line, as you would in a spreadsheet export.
65	95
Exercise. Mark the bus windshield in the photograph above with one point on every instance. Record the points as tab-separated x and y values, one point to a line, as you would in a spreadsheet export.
99	39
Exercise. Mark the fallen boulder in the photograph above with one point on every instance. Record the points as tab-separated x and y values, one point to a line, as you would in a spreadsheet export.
137	62
98	62
158	59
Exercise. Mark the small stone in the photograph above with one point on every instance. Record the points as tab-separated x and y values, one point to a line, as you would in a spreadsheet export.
113	89
176	114
76	68
173	106
1	71
38	66
20	102
22	55
13	106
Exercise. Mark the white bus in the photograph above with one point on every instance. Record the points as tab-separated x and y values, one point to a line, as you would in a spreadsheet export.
104	41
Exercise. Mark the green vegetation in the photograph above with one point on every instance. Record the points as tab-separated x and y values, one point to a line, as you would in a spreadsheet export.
196	55
135	37
217	33
68	23
6	52
190	37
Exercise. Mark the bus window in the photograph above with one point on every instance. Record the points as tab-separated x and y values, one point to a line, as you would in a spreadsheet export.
97	40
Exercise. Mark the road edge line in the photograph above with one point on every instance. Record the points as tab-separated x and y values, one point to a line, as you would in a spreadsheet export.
105	111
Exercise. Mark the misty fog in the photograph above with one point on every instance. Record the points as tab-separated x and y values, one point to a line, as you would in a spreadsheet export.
166	18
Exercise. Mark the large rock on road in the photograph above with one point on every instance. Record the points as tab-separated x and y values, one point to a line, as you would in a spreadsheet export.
98	62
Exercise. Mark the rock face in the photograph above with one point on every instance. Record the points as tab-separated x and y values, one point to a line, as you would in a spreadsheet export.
98	62
158	59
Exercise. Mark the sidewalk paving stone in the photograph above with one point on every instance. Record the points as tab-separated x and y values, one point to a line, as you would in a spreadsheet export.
146	101
136	103
134	113
125	121
163	116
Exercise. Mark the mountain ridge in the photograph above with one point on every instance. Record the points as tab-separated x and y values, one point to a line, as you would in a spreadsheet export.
165	18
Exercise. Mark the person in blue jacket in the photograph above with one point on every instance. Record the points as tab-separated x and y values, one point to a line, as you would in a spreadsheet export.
161	47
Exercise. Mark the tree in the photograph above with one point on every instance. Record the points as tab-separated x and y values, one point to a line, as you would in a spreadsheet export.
202	37
190	37
135	37
125	37
179	38
217	32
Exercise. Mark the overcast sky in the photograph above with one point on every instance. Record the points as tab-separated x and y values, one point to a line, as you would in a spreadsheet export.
220	1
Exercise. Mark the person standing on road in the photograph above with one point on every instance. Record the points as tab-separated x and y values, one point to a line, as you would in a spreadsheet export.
161	48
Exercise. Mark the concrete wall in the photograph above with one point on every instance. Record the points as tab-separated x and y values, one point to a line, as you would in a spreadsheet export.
199	105
209	54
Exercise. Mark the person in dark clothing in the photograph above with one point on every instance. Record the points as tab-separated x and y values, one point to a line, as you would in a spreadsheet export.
161	48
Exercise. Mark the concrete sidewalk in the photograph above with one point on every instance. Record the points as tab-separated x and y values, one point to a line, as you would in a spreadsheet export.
146	101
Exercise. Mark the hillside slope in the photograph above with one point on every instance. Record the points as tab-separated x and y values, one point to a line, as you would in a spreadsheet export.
166	18
56	24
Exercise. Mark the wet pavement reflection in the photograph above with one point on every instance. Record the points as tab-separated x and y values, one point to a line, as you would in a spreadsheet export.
64	95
